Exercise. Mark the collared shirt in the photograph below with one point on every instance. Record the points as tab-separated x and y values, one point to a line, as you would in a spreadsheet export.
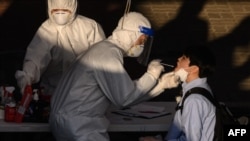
197	120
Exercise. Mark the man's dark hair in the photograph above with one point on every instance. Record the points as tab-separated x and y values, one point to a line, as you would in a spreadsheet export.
202	57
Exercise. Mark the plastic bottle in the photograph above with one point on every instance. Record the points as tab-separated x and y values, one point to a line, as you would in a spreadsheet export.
10	106
25	101
4	94
34	105
35	96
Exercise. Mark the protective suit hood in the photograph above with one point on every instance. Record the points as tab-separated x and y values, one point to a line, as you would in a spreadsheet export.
63	4
128	31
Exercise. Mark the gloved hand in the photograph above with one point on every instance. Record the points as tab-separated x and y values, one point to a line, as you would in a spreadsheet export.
22	80
155	68
169	80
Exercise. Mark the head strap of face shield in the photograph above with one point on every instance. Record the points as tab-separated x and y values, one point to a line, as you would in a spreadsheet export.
146	30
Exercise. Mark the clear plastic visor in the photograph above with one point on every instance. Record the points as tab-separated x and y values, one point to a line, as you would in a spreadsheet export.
144	57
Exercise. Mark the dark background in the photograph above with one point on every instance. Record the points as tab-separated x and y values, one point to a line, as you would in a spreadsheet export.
22	18
19	22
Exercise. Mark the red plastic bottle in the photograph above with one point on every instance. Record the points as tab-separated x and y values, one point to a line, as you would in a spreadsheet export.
10	113
26	99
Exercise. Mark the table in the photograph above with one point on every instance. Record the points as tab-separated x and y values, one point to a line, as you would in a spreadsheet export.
118	123
159	124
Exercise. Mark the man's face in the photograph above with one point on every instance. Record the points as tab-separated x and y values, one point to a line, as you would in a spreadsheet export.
182	62
137	48
61	16
141	40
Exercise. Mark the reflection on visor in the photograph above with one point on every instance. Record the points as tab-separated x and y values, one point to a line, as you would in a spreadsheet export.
147	31
144	57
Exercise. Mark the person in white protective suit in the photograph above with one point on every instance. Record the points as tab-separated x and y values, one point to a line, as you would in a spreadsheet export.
98	78
58	41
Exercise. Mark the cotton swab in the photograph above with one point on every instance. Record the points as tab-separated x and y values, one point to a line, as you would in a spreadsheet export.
164	64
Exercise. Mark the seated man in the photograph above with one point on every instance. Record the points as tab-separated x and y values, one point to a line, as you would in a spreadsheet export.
197	119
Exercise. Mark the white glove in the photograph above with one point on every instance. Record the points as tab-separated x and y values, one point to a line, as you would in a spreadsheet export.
22	80
169	80
155	68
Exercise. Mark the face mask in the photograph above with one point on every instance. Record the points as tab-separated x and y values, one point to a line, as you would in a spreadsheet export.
135	51
61	18
182	74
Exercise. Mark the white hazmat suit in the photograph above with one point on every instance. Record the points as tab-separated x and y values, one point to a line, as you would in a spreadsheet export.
96	80
58	41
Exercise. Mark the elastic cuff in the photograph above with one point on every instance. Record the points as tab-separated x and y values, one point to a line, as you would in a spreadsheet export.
152	75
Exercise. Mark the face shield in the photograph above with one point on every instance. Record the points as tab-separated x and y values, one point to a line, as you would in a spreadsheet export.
144	56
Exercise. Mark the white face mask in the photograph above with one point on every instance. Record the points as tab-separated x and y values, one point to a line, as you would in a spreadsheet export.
135	51
61	18
182	74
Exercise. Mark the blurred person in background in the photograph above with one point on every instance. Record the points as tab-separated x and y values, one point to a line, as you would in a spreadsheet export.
58	41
